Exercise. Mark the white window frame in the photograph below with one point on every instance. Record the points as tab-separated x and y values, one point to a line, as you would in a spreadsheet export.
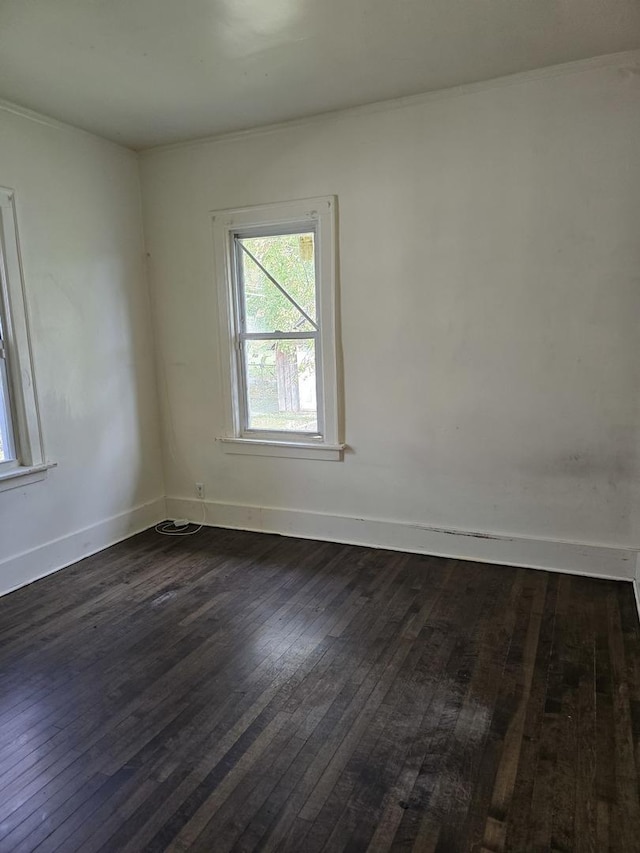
319	216
29	465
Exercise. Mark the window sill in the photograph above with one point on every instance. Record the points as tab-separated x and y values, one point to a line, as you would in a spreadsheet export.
24	475
284	449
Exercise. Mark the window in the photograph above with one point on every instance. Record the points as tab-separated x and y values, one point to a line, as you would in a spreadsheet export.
21	453
276	282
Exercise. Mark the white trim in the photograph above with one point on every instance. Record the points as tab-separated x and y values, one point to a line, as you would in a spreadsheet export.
598	561
28	566
636	585
283	449
519	77
321	214
586	559
56	124
575	67
23	475
25	414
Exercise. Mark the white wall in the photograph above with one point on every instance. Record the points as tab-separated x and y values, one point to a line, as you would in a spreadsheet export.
490	293
78	205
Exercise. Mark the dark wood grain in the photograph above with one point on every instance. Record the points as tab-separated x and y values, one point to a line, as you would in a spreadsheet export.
239	691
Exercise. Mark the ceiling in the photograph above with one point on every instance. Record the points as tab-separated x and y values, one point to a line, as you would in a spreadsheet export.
147	72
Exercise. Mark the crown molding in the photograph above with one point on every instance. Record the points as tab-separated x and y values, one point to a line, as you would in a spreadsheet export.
49	121
578	66
610	60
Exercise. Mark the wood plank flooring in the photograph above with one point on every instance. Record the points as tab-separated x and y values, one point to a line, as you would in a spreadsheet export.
239	691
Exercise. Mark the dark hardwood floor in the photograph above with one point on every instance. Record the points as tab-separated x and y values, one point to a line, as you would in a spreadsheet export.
237	691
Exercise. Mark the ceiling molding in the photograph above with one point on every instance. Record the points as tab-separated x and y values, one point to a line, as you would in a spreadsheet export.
49	121
612	60
608	60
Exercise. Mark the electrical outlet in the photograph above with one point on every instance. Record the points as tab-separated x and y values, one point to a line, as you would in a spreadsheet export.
200	490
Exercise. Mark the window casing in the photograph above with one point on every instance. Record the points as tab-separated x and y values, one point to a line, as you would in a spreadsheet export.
8	451
276	267
21	451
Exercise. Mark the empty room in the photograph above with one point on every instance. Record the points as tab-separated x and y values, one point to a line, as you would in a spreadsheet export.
320	426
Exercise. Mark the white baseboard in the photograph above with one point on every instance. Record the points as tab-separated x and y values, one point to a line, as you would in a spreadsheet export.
636	585
636	592
24	568
553	555
593	560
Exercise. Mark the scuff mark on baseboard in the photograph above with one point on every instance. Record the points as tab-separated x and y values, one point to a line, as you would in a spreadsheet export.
469	533
475	535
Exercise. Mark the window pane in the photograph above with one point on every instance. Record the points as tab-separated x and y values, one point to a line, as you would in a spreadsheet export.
7	450
289	259
281	385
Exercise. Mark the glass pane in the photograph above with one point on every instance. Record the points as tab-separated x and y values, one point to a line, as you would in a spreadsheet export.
7	450
289	259
281	385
